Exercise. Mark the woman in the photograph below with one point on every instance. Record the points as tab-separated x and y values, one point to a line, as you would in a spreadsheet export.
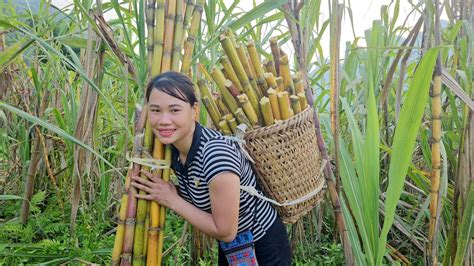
210	169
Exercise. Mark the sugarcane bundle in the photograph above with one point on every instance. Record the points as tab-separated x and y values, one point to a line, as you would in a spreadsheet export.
251	92
271	101
172	27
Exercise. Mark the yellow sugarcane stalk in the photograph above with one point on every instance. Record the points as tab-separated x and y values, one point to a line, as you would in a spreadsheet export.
270	67
224	127
270	79
284	105
435	155
257	64
142	206
158	37
230	72
295	104
212	110
188	13
178	36
150	21
231	122
168	42
285	74
279	81
220	80
243	57
152	255
242	118
303	101
189	44
272	97
161	233
221	106
267	111
248	109
205	92
276	54
119	235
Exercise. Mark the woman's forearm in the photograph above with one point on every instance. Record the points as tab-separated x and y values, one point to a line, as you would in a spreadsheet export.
203	221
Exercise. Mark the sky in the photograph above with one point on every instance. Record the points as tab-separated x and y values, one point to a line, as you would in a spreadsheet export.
364	12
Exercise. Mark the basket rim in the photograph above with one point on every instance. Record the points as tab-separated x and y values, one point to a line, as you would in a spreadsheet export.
283	123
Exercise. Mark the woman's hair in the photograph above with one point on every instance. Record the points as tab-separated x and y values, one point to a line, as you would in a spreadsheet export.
174	84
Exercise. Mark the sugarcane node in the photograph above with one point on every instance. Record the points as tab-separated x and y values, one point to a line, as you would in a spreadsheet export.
160	5
260	81
149	48
191	38
168	53
178	17
434	95
154	229
190	2
120	221
159	42
198	8
126	256
436	168
177	48
434	140
171	17
437	118
140	222
130	221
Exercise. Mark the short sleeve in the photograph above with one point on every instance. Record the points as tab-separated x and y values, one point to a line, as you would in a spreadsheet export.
220	156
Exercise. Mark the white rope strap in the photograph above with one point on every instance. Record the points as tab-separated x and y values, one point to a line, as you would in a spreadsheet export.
150	162
239	139
254	192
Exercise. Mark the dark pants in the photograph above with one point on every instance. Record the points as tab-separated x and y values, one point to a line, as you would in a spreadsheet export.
272	249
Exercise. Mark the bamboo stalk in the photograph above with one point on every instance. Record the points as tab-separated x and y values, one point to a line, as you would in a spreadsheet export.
169	32
158	37
272	96
230	72
152	255
161	233
285	74
266	111
189	45
248	109
142	206
276	54
178	36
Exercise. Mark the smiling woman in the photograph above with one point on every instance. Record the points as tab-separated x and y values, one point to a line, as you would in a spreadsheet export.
210	170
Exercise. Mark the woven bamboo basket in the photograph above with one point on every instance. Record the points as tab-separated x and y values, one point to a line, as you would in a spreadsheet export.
287	163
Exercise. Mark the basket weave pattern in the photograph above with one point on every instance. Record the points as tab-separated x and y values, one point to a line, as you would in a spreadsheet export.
287	162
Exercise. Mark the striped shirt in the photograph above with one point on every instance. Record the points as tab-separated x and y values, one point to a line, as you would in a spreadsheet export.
212	154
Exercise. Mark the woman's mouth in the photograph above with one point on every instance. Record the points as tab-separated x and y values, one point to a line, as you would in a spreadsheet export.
166	132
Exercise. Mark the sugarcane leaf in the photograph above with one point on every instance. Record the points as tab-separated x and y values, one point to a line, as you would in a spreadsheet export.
257	12
55	129
10	197
404	141
11	52
466	231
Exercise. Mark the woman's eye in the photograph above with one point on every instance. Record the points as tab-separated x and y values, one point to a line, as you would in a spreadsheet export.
155	110
174	110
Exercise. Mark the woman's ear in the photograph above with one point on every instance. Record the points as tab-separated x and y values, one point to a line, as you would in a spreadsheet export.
195	111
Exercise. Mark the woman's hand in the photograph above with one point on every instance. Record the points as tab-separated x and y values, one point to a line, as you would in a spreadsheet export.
164	193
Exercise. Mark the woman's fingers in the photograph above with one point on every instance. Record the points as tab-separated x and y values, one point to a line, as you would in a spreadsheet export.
142	187
143	196
145	182
150	175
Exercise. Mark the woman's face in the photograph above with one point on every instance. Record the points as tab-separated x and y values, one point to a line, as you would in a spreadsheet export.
171	119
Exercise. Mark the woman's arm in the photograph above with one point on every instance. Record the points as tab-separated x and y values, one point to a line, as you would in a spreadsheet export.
224	191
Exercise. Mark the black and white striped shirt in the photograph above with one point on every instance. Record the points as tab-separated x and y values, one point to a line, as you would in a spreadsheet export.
210	155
